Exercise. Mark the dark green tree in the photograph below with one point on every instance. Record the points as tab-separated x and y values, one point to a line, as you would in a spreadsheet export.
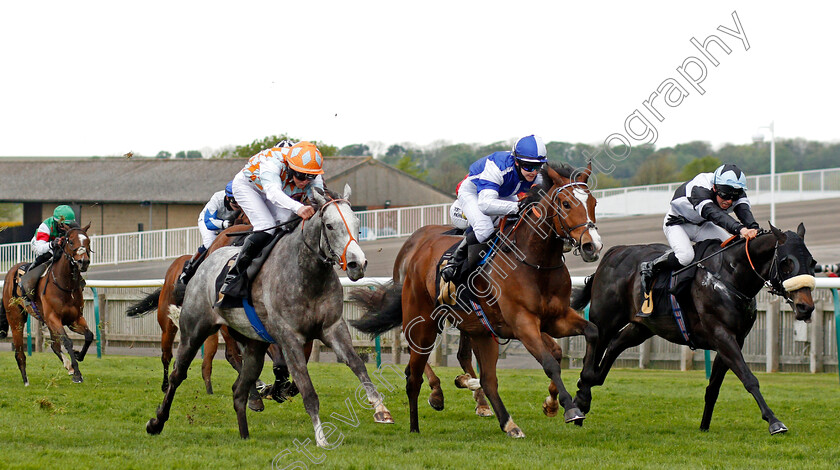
163	154
354	150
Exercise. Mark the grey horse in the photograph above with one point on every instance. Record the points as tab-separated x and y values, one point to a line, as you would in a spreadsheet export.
298	298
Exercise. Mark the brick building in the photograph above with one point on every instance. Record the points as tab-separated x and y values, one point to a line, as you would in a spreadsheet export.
118	195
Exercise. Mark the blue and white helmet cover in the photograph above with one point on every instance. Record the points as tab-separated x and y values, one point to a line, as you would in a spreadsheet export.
530	149
229	189
730	175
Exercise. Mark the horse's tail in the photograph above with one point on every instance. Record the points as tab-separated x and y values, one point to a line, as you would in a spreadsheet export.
382	307
4	322
144	305
582	296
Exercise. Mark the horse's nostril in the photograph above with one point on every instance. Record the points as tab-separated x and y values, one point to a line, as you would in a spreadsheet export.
352	265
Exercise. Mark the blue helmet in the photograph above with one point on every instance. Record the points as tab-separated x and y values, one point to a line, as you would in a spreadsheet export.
229	189
730	180
529	149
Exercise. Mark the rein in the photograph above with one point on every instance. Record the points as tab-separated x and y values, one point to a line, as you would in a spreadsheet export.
75	270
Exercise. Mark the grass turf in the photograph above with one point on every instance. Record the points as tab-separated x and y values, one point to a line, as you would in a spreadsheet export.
639	419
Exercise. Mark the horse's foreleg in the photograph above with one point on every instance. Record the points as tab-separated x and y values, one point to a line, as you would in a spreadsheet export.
527	331
252	364
295	358
632	335
730	352
338	338
719	369
191	340
81	327
487	354
59	338
551	405
211	345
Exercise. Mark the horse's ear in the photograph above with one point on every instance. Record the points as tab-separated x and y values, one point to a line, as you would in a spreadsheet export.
347	192
583	176
555	177
86	227
318	196
801	230
780	236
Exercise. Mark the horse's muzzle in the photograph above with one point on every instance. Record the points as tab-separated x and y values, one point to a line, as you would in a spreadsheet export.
589	252
803	303
355	270
83	265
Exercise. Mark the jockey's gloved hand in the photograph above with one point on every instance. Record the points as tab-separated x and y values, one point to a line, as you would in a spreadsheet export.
523	206
54	243
226	224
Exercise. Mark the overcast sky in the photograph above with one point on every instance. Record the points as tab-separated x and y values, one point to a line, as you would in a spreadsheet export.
88	78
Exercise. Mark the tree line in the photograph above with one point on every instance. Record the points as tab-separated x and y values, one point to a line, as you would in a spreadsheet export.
444	164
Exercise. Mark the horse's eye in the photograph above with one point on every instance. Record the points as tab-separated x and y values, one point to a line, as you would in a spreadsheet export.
329	227
566	205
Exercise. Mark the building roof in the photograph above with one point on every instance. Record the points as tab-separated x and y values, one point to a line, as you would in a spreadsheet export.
123	180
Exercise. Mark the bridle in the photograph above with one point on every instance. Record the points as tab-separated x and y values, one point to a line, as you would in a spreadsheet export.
330	260
774	284
567	231
75	269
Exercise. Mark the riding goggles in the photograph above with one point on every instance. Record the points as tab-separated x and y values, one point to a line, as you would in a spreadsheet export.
302	176
530	166
729	195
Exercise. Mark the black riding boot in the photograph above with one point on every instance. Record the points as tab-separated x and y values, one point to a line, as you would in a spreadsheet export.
29	281
649	269
453	269
191	266
236	282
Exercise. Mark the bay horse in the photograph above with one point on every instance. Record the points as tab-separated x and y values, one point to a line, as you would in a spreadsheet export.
523	290
297	297
58	301
719	308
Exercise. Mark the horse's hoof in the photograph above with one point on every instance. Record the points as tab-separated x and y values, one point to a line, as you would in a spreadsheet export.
256	404
153	427
574	415
778	428
550	407
436	403
164	387
516	433
209	388
474	384
383	417
484	411
78	379
461	380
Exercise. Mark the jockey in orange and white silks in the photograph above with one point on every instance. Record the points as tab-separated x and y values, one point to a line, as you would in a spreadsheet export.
269	190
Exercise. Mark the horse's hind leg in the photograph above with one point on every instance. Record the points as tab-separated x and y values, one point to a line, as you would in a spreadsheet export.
719	369
436	397
338	338
167	339
487	353
252	364
469	379
211	345
191	340
16	324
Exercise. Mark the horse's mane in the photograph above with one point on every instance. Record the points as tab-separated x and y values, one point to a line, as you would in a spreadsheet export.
537	190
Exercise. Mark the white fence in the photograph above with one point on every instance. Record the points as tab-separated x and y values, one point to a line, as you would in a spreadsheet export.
401	222
793	345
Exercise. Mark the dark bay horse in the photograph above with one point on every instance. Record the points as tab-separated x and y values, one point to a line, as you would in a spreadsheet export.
58	300
523	290
297	297
719	308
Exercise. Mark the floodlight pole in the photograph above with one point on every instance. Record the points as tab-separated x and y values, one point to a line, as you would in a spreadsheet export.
772	171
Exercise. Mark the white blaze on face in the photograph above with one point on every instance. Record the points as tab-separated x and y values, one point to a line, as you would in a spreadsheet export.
583	197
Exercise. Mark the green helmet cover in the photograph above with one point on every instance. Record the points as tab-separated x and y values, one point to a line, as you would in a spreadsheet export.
64	214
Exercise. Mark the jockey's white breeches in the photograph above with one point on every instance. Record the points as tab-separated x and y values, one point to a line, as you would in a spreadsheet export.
680	237
262	212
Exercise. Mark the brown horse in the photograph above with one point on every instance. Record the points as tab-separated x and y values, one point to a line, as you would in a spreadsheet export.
58	301
523	290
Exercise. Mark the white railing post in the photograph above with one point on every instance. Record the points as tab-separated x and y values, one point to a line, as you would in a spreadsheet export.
116	250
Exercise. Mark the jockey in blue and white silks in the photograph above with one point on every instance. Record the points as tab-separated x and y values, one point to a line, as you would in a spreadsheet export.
490	191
